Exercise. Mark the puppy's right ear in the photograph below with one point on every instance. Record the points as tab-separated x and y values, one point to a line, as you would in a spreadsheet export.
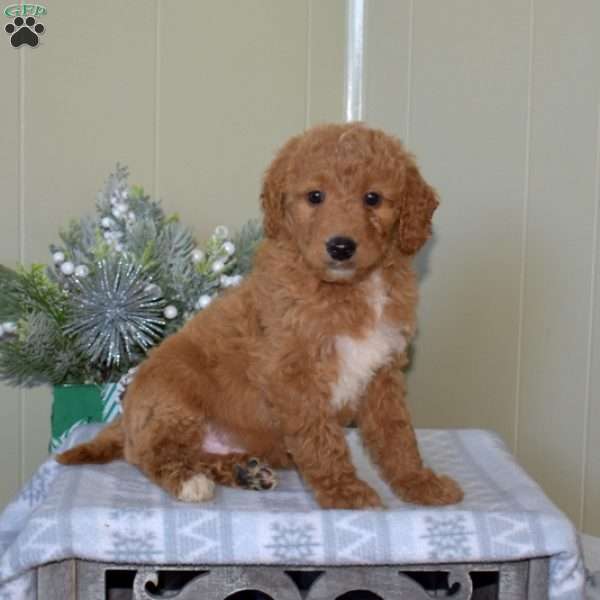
273	190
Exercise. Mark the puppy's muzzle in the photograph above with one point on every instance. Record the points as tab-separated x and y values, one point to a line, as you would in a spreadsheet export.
340	248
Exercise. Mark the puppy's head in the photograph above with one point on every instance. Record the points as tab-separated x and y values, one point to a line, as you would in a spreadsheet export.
346	195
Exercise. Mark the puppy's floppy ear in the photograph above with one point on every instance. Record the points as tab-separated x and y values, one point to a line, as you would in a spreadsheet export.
273	189
419	201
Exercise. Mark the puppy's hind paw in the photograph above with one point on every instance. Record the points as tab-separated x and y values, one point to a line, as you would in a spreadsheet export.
255	475
198	488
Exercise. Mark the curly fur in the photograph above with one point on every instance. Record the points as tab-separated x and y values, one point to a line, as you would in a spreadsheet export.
304	346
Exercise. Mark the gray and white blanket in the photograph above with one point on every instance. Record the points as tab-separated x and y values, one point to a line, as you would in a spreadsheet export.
113	513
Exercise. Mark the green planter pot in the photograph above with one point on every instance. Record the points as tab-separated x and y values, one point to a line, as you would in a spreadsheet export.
74	405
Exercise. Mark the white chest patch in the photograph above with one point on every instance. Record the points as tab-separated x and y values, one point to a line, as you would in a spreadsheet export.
360	358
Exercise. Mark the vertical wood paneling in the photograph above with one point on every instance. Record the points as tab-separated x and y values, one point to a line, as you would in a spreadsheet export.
326	58
591	499
388	65
89	102
559	247
10	417
468	110
222	119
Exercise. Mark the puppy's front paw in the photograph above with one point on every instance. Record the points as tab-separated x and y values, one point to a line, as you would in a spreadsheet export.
349	495
425	487
198	488
255	475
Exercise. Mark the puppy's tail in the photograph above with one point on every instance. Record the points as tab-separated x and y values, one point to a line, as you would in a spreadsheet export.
106	446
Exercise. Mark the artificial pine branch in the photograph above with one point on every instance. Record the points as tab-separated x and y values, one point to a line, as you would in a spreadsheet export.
119	282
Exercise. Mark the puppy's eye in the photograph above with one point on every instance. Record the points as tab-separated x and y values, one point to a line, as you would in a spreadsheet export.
372	199
315	196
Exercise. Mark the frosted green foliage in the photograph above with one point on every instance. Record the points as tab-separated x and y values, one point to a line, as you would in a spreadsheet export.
142	243
10	305
246	242
28	291
118	283
41	353
79	240
175	268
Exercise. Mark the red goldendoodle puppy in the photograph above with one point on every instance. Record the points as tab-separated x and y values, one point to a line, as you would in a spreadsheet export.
314	339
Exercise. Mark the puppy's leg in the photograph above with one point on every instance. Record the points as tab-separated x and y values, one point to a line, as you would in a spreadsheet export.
172	457
321	454
317	442
390	439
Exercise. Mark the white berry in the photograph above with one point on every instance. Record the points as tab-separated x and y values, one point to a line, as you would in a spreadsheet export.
9	327
221	231
197	255
153	290
203	301
58	257
107	222
81	271
235	280
218	266
119	210
171	311
67	268
229	248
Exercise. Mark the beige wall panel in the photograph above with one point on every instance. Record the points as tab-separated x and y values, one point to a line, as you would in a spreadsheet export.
591	505
468	111
10	417
387	65
326	55
89	102
232	90
560	226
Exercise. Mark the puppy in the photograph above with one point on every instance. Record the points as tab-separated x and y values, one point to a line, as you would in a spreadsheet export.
313	340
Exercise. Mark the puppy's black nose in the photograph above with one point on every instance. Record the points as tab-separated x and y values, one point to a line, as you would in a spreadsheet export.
341	248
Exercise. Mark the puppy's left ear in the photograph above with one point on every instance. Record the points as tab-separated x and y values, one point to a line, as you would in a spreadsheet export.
419	202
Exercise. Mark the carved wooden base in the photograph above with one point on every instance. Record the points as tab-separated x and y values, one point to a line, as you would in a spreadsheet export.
75	579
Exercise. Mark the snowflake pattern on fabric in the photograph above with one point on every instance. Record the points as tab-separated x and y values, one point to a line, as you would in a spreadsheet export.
129	545
37	488
112	513
447	537
292	541
125	501
134	521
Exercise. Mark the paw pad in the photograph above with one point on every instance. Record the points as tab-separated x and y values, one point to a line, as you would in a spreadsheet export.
255	475
24	31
